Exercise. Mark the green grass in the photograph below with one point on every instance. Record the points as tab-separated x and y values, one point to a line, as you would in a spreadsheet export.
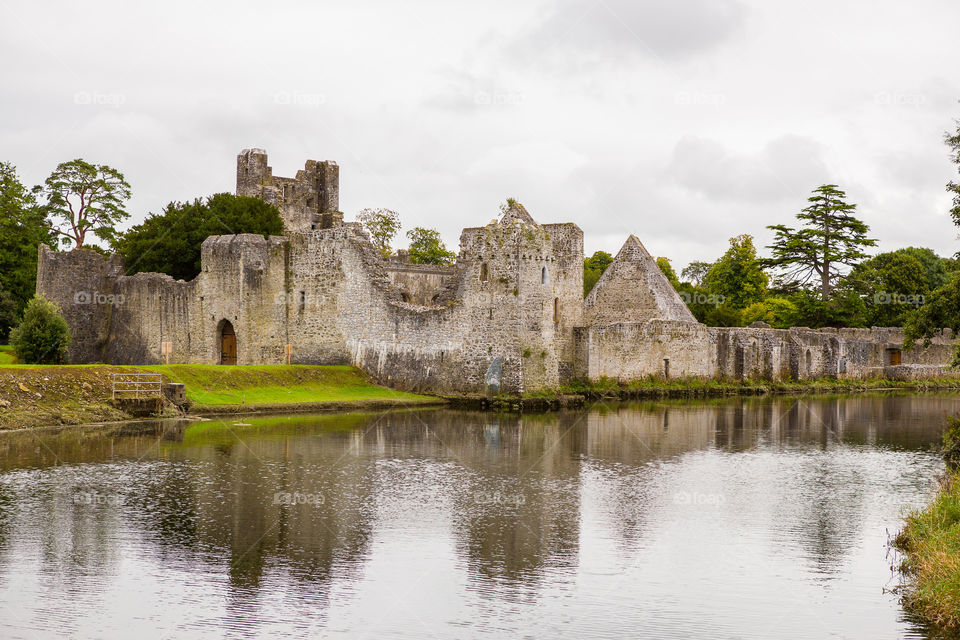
6	355
217	385
706	386
931	544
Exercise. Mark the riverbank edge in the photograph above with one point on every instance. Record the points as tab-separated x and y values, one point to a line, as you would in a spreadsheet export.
86	403
580	394
50	396
930	544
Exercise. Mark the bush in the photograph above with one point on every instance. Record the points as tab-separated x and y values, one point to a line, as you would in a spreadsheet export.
42	337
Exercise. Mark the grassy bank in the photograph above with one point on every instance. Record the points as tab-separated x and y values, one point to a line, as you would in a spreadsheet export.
6	354
703	388
930	542
215	387
33	395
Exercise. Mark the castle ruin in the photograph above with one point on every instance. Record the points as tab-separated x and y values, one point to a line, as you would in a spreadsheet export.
511	307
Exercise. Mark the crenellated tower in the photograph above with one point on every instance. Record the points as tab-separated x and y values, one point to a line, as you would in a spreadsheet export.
309	201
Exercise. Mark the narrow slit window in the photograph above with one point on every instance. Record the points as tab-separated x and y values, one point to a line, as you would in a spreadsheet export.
556	309
484	272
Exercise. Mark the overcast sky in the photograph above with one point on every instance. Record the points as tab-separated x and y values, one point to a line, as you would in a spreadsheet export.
684	122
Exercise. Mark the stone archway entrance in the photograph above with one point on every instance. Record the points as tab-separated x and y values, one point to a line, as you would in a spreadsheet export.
228	344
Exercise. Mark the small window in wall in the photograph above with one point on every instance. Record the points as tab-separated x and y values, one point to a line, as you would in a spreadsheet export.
484	272
556	309
303	300
894	357
544	276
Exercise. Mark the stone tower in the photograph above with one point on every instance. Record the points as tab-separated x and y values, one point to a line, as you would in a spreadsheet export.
311	200
526	280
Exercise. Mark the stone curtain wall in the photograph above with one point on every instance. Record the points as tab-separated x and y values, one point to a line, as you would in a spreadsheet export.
327	293
631	351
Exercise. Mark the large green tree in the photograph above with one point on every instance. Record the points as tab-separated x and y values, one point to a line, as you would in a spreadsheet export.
738	275
829	239
667	269
382	225
170	242
426	247
85	198
22	229
892	285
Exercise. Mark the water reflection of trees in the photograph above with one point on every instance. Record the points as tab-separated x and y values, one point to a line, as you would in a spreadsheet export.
513	487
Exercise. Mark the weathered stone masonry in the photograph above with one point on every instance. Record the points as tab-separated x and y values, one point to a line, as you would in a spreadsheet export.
515	293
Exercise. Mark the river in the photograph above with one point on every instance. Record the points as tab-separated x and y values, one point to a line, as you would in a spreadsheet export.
736	518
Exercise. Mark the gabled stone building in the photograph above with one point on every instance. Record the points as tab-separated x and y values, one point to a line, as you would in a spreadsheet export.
512	303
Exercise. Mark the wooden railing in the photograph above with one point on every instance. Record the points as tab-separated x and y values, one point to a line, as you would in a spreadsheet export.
137	385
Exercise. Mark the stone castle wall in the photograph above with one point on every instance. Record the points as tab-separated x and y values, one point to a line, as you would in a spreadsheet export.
327	294
635	350
513	297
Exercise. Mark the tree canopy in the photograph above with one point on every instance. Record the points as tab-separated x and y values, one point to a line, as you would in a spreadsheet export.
170	242
426	247
593	268
737	275
22	229
382	225
85	198
830	238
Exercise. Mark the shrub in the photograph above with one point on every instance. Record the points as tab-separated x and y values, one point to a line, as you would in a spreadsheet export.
42	337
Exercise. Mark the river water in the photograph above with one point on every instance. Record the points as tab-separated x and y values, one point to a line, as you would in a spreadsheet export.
741	518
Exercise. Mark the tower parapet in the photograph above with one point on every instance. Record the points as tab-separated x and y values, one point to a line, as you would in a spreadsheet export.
311	200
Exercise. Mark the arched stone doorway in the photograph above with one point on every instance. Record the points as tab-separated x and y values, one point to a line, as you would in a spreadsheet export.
228	343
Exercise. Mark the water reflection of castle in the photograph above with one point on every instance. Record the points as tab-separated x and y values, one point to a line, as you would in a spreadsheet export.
507	494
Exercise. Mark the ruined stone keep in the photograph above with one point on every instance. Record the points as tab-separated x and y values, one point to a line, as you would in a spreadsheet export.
511	306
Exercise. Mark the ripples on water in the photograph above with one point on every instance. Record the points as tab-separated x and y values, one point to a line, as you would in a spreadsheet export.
734	519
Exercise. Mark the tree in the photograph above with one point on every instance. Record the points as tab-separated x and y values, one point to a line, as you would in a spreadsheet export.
22	229
696	271
830	238
953	141
667	269
8	314
170	242
85	198
891	284
593	268
941	310
426	247
738	276
382	225
777	312
42	337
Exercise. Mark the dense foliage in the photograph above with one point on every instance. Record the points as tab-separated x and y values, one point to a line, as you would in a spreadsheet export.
426	247
85	198
382	225
170	242
593	268
42	337
22	230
